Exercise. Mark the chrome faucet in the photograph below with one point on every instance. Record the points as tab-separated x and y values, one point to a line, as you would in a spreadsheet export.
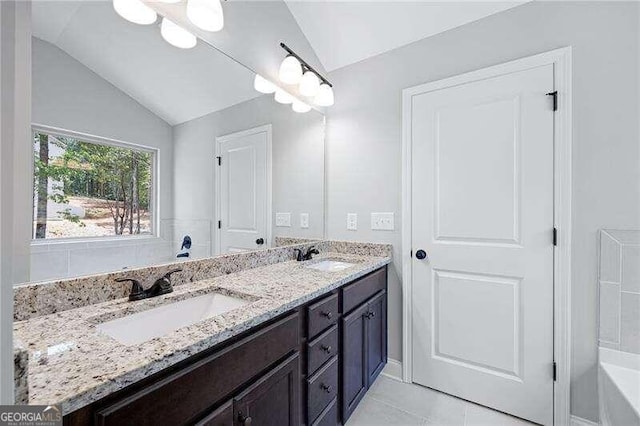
160	286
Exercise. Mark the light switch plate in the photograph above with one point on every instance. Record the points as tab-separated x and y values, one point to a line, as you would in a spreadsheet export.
352	221
382	221
283	219
304	220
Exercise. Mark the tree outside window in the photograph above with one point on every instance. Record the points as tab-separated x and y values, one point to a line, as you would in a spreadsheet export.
86	189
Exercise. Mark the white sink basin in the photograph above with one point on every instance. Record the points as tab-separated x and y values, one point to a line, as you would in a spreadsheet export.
146	325
330	265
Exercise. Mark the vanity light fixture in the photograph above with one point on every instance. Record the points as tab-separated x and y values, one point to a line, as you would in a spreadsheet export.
312	83
283	97
299	106
135	11
263	85
290	70
206	14
309	84
324	96
176	36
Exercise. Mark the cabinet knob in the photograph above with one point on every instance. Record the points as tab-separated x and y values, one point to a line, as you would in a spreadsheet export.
326	314
326	388
245	420
326	348
370	314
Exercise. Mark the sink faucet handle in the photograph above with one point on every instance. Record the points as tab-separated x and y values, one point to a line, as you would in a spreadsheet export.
137	291
173	271
299	255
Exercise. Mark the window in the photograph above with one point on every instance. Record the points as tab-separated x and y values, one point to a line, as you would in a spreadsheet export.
91	188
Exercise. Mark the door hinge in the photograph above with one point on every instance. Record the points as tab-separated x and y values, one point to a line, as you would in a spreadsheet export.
555	371
555	236
411	253
219	224
555	99
219	161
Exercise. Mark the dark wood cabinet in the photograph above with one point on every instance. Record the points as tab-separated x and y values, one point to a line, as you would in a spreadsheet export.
311	365
364	350
274	400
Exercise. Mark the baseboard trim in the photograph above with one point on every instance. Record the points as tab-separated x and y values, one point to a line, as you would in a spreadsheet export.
579	421
393	369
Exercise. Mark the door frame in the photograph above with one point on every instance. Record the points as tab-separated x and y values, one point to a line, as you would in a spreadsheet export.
267	128
561	59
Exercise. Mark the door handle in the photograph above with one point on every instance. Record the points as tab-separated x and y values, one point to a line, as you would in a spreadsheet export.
421	254
260	241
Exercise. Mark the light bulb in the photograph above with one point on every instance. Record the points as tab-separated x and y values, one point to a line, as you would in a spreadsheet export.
206	14
309	84
299	106
324	96
263	85
283	97
290	70
176	35
135	11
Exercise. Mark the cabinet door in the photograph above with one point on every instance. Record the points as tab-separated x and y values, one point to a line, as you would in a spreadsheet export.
274	400
376	336
221	416
354	360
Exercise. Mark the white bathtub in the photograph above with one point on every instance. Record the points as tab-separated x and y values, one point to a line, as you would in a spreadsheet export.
619	388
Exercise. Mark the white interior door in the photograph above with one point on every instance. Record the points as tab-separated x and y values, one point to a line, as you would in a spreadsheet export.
482	210
244	190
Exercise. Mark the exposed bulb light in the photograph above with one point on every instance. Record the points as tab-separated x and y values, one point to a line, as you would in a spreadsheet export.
263	85
299	106
324	96
309	84
176	35
290	70
283	97
135	11
206	14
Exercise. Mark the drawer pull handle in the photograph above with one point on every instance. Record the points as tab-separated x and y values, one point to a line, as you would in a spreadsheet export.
370	314
326	388
326	314
244	420
326	348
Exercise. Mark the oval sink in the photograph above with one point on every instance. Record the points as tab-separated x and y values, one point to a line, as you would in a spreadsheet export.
146	325
330	265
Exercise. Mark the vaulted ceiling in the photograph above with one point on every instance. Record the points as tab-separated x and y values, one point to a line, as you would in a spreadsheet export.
346	32
176	85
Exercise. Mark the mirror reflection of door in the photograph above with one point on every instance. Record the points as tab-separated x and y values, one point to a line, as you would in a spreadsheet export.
243	162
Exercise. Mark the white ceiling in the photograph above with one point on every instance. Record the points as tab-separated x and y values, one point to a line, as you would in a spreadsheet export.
345	32
177	85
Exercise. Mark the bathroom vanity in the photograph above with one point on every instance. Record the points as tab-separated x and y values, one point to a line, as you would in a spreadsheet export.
303	346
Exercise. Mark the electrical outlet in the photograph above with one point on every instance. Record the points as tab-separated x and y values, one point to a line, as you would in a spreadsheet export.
304	220
283	219
352	221
382	221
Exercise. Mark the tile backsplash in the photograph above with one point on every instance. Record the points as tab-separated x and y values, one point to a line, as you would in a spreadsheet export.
619	288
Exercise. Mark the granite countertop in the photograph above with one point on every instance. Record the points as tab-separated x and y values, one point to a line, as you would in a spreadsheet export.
72	364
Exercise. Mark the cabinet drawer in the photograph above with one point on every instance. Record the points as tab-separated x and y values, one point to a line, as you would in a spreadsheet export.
361	290
322	388
322	349
184	395
329	417
221	416
322	314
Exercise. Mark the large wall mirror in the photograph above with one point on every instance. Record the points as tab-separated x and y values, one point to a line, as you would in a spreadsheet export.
144	151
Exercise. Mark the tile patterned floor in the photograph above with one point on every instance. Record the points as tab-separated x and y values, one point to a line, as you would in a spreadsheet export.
390	402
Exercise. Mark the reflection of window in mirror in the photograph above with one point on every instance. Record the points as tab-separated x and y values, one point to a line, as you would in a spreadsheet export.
90	187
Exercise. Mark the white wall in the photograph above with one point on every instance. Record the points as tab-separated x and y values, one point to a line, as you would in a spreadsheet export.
69	96
15	179
298	167
364	139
